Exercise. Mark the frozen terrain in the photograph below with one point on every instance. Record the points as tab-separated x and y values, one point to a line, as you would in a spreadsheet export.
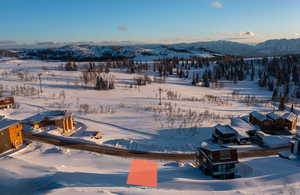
129	116
45	169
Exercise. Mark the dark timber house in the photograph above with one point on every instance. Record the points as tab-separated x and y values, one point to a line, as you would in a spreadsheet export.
275	122
224	134
259	119
11	136
217	161
6	102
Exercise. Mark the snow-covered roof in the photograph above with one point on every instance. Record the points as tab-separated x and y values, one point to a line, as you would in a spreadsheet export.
43	115
284	115
258	115
61	117
225	129
4	124
275	115
290	116
213	147
5	98
274	141
242	127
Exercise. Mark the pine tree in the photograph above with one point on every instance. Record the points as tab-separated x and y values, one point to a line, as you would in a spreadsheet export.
292	108
275	94
282	104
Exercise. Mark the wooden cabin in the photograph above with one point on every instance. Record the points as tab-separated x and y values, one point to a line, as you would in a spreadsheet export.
283	121
6	102
41	120
217	161
224	134
11	136
56	118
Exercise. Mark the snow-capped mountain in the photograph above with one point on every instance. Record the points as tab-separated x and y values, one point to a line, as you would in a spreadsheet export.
138	52
154	51
279	47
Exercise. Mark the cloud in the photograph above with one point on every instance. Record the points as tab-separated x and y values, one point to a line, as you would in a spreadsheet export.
216	4
122	28
6	42
251	34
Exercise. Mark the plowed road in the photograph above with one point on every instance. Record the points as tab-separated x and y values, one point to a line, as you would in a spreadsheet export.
102	149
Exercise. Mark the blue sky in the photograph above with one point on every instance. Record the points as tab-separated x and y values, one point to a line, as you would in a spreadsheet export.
148	20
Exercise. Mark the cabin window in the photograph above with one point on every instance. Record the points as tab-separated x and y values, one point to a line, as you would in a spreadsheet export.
225	155
222	168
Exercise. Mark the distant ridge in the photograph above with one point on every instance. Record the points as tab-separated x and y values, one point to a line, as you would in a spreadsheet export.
266	48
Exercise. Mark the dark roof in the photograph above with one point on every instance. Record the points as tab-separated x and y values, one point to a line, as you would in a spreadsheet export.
225	129
284	115
61	117
4	124
274	115
43	115
209	146
259	116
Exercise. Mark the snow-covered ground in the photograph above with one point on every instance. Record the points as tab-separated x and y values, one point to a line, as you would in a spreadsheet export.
45	169
131	118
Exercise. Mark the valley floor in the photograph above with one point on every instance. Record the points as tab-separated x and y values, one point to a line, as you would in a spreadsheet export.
130	117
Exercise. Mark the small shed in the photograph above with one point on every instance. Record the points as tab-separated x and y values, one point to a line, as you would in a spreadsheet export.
217	161
11	135
6	102
224	134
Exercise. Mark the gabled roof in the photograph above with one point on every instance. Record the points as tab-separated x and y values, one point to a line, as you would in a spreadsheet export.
61	117
284	115
4	124
275	115
225	129
242	127
43	115
290	116
259	116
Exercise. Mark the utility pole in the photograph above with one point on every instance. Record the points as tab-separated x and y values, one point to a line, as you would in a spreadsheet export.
40	74
160	90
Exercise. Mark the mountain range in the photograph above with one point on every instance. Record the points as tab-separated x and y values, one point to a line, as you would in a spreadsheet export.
143	50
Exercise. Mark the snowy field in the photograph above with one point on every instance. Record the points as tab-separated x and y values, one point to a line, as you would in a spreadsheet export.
129	116
45	169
